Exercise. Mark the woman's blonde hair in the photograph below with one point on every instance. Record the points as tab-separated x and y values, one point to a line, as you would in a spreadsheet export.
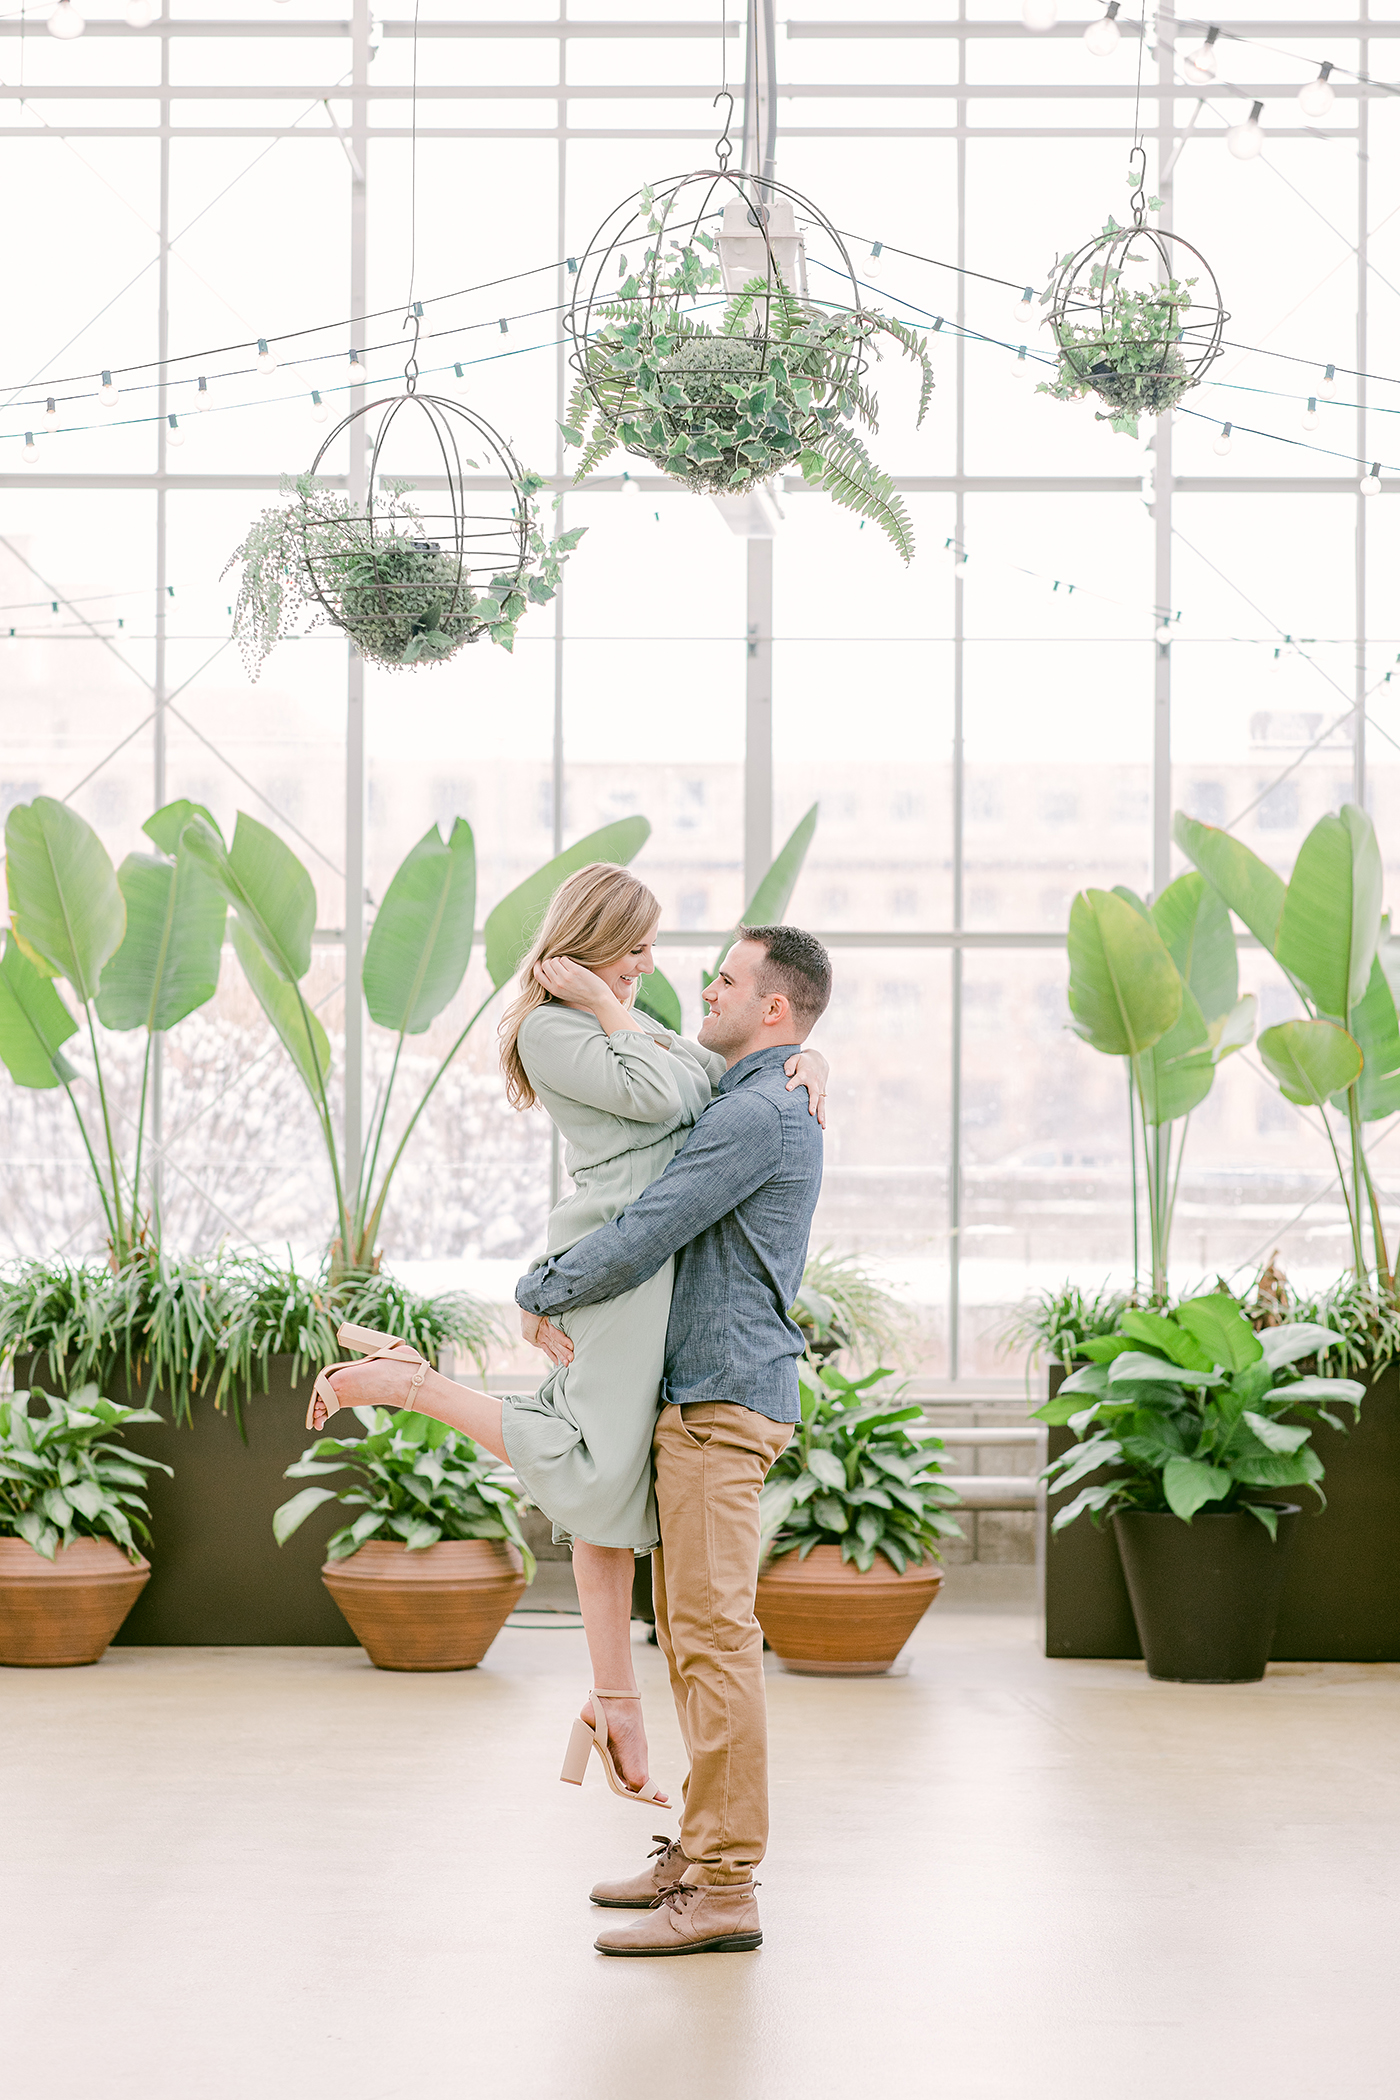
600	913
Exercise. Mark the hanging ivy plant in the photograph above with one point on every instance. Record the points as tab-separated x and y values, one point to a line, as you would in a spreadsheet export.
401	596
774	384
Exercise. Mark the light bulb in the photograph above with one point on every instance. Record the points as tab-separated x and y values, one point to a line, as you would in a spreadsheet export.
1024	309
1371	483
31	450
266	361
108	391
1246	140
1276	662
139	14
201	399
51	414
1223	441
630	487
174	435
1201	63
1103	36
872	264
1327	385
1318	96
1164	630
318	408
358	374
1039	14
65	21
1309	415
1025	366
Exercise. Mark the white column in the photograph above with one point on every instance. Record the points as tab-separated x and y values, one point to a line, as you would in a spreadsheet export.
355	669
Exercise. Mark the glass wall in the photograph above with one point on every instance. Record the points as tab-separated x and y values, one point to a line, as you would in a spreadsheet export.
983	733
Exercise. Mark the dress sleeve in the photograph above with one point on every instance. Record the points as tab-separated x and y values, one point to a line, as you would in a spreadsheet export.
628	1074
710	1060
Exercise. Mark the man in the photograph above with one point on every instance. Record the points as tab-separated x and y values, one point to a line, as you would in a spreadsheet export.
735	1208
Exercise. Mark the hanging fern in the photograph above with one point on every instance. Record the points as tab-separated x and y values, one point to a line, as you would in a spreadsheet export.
721	408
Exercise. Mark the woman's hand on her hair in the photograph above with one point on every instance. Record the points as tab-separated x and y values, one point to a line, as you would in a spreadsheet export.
810	1069
573	985
541	1334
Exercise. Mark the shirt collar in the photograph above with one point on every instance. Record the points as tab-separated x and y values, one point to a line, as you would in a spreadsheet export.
757	1061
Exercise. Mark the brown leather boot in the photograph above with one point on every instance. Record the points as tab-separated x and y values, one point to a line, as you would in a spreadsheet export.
641	1891
692	1919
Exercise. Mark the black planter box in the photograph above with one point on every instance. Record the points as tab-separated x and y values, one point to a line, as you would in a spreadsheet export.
218	1577
1341	1597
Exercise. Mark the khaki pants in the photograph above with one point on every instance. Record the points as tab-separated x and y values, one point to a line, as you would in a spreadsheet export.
711	1460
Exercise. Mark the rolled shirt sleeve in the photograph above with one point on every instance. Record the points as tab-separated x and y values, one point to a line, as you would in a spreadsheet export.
734	1148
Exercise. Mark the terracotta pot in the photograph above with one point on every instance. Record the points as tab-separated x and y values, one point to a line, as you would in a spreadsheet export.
437	1609
57	1613
823	1618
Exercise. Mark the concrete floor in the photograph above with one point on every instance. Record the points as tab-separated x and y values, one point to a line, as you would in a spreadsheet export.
253	1872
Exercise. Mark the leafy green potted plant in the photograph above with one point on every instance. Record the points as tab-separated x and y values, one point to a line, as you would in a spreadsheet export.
1197	1430
773	385
71	1510
402	597
851	1518
430	1567
841	1306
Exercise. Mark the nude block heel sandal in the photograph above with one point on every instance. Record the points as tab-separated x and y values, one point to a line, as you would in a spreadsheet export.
370	1344
582	1739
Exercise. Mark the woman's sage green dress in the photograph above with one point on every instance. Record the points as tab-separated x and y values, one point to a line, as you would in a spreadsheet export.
624	1104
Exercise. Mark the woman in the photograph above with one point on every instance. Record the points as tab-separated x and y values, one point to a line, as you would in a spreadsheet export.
624	1092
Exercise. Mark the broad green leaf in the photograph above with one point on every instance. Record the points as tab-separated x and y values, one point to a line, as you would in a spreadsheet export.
1348	1390
292	1515
1177	1073
1267	1517
421	940
828	1468
1093	1378
34	1022
1219	1325
1187	1483
1137	1367
1160	1331
65	904
1377	1036
1104	1347
165	828
1236	1029
657	996
1276	1436
168	962
1311	1060
1085	1459
1284	1345
303	1037
266	884
1125	992
1331	922
1251	889
771	898
512	926
1193	920
1090	1498
1279	1468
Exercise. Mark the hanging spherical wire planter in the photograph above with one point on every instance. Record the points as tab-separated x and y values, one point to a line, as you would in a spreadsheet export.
713	245
408	580
1136	317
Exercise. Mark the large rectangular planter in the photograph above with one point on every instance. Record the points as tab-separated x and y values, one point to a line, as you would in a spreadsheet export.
218	1577
1341	1599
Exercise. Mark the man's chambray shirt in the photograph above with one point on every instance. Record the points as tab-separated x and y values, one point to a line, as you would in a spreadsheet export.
735	1208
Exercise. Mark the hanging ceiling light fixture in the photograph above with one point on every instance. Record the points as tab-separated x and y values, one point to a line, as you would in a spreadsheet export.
1246	140
1201	63
1104	36
1318	96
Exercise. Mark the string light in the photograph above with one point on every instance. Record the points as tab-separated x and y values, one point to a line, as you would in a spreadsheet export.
358	374
873	264
31	450
1201	63
318	407
1164	630
1224	441
1371	483
629	486
1318	96
1025	304
139	14
1327	385
65	21
108	391
174	435
51	414
267	363
1103	36
1246	140
201	399
1308	419
1038	15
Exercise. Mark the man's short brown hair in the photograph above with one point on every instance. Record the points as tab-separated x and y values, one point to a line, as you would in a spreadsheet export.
796	965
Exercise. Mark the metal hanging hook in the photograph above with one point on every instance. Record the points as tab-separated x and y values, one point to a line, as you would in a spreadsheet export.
723	144
1139	196
410	370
